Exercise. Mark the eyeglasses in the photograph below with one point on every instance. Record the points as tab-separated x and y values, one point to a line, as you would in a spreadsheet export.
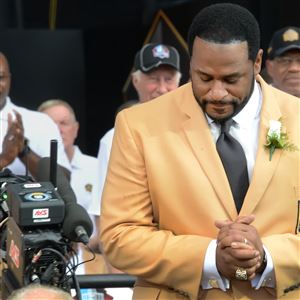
286	61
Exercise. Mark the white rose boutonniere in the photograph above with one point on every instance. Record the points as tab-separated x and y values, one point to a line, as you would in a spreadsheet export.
277	139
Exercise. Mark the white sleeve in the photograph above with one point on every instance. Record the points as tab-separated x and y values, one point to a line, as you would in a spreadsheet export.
39	131
210	276
103	159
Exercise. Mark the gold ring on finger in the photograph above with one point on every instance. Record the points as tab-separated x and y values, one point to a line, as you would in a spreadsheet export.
11	137
241	274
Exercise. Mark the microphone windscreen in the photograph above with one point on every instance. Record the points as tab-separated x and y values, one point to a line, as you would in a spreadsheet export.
76	216
63	185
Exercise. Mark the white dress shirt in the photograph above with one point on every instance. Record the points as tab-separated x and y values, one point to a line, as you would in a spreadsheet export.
39	129
103	159
245	130
84	180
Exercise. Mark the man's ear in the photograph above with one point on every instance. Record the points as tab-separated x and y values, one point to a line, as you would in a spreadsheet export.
258	62
134	81
76	128
269	67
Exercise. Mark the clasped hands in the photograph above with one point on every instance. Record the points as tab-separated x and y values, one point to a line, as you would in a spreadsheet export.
240	252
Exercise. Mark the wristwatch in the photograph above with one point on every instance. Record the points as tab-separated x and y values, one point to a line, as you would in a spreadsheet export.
265	258
25	150
264	261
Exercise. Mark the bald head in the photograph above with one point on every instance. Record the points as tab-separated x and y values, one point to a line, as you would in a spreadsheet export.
63	115
37	291
4	79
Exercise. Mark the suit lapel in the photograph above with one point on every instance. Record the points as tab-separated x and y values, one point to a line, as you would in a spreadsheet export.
198	134
263	168
197	131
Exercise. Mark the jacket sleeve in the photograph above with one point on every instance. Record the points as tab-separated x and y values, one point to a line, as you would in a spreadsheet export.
131	238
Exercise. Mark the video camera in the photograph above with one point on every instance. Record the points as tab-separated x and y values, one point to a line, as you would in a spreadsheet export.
37	227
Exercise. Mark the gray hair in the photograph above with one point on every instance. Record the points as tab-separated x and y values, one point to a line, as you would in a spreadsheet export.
57	102
137	74
47	290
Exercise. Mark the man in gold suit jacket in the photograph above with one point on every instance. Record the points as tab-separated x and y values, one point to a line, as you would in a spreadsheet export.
168	211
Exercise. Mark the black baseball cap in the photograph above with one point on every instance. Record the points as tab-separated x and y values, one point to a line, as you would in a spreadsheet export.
285	39
152	56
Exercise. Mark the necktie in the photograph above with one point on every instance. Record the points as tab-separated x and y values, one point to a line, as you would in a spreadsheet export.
234	162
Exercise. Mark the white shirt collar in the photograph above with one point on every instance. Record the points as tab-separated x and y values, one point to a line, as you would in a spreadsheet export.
250	111
76	160
7	108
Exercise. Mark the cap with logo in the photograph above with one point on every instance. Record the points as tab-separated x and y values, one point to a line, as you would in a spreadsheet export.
152	56
285	39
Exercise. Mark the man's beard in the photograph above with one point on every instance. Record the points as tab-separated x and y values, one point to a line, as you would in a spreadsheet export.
234	102
237	104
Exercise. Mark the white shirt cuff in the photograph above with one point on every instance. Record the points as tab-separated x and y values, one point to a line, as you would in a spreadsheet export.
267	278
210	275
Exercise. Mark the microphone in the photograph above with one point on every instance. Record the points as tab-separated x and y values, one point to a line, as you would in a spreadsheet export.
53	162
77	225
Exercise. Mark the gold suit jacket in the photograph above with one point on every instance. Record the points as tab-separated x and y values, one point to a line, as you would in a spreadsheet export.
166	186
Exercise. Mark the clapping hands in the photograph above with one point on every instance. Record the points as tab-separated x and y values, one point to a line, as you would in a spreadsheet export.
13	141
